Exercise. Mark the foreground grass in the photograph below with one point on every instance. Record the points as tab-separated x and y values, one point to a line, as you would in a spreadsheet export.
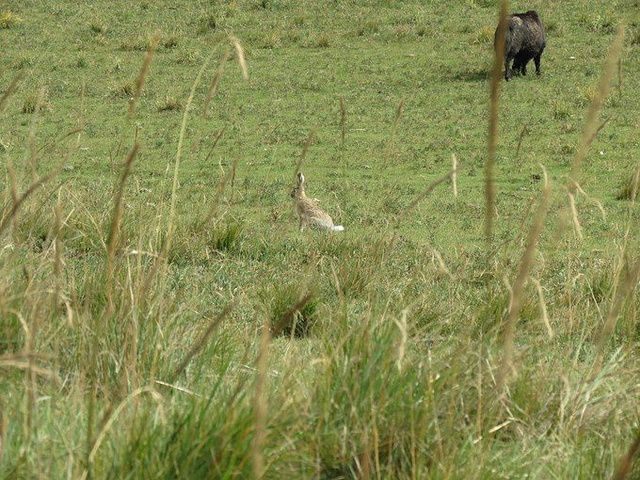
162	316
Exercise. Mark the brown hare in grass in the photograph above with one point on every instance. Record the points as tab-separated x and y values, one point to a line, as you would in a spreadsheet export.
309	212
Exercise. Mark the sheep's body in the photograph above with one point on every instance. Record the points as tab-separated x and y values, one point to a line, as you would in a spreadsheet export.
524	40
309	213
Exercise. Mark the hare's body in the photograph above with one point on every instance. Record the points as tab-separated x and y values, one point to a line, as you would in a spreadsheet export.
309	213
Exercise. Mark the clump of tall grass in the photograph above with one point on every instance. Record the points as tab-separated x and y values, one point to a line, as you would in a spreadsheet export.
290	308
38	100
168	104
8	19
483	34
629	187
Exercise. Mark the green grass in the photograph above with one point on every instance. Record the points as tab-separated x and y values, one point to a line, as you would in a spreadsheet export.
163	317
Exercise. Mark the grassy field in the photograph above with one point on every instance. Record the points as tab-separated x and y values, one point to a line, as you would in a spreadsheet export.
161	315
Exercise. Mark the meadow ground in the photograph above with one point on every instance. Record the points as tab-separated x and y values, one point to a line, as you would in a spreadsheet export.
163	317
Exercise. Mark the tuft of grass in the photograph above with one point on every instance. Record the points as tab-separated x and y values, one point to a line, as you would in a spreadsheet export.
207	23
629	188
37	100
561	110
225	236
290	308
169	104
138	43
189	57
271	40
323	41
369	27
8	19
125	89
484	34
97	28
171	41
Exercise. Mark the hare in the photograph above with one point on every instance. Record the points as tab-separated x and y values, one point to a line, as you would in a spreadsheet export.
309	212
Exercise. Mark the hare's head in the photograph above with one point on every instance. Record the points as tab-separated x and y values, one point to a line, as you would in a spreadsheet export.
299	188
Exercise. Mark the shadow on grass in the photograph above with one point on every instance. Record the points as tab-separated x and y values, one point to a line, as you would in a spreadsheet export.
476	75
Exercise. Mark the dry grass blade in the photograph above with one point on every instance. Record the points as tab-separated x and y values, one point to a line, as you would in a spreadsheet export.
241	57
624	467
496	78
454	177
422	196
521	279
592	200
25	362
58	140
543	308
109	424
19	201
590	129
260	406
287	318
143	74
307	144
394	131
12	87
215	142
619	77
114	229
204	338
523	132
221	186
214	83
176	168
343	122
574	214
620	294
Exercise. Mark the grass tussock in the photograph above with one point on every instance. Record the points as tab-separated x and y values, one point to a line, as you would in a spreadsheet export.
9	19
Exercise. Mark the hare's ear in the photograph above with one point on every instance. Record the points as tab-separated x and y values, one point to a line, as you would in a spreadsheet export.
300	178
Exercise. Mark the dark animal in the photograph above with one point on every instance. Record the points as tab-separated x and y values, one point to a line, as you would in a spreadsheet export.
524	40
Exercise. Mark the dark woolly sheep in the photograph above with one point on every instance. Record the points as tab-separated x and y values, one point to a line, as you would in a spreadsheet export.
524	40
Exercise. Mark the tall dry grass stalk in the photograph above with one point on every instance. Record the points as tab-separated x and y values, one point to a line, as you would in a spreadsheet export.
33	148
343	123
204	338
99	327
305	149
213	88
176	167
108	425
220	190
590	129
523	132
81	121
142	77
526	261
420	198
19	200
241	57
496	79
260	405
114	230
10	89
392	138
626	280
454	176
